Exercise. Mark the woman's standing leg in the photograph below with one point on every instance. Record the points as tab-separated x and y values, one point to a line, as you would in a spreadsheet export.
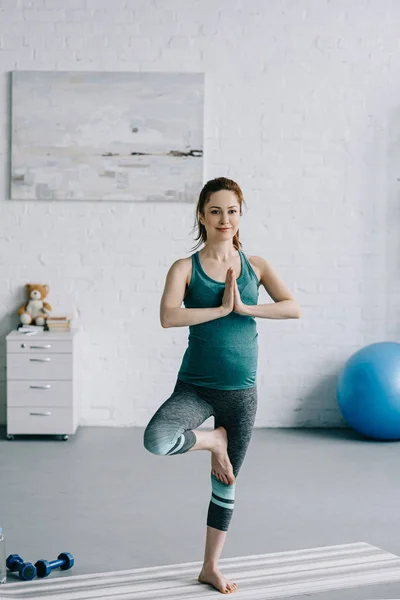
170	431
235	410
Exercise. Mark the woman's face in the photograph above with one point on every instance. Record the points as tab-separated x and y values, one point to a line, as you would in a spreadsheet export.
221	216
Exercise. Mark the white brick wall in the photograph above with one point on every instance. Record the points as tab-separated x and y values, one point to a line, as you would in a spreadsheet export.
302	110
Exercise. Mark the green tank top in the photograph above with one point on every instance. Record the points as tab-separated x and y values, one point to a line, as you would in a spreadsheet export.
222	353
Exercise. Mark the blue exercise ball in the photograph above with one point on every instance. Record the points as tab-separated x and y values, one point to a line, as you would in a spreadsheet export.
368	391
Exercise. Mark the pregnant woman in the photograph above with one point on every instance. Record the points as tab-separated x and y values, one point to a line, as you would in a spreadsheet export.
217	377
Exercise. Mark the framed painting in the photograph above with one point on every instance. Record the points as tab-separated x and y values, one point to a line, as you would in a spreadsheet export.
107	136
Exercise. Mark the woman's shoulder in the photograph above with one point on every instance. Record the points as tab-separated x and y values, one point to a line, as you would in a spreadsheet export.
184	266
257	263
254	258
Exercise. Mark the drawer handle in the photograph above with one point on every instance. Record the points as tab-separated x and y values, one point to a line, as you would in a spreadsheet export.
40	359
41	414
45	347
47	386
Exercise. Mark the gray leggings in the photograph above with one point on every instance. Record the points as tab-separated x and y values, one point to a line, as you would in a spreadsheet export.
169	432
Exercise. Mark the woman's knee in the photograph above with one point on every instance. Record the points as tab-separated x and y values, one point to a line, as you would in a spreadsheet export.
150	440
221	505
156	440
223	494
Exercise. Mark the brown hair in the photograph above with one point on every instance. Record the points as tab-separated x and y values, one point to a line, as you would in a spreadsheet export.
212	186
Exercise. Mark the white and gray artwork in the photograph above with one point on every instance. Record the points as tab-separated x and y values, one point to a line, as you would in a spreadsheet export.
107	136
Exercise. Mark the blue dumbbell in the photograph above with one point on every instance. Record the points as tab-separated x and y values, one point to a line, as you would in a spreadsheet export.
26	570
65	561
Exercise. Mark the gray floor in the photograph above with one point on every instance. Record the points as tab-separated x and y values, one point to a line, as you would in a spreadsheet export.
105	499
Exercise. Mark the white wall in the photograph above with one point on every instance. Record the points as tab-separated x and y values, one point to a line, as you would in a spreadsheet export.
300	98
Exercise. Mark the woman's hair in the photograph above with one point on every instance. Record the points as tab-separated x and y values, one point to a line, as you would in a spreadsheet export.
212	186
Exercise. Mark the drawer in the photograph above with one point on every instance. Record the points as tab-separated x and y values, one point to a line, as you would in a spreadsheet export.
27	345
39	366
39	420
39	393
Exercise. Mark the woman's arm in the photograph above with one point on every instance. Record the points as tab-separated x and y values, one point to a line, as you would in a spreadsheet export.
171	312
284	305
181	317
283	309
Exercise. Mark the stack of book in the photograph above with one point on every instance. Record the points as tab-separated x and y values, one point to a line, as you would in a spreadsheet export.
61	323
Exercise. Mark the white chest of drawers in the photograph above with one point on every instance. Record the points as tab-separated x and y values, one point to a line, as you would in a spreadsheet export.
43	383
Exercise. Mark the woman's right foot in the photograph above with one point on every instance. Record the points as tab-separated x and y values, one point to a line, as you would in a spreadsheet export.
221	466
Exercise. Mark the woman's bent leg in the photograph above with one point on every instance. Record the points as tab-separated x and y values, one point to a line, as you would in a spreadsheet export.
170	430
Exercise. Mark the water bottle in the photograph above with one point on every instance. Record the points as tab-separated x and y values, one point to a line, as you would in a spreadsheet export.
3	572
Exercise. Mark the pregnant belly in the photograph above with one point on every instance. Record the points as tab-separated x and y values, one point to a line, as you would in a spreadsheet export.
230	364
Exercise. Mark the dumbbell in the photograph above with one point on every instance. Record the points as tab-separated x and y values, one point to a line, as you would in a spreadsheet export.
65	561
26	570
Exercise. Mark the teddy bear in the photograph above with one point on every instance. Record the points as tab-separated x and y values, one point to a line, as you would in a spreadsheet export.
35	310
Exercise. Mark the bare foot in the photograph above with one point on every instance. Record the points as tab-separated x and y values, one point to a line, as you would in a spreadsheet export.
215	578
221	466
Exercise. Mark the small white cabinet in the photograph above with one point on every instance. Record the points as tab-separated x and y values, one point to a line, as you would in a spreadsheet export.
43	383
